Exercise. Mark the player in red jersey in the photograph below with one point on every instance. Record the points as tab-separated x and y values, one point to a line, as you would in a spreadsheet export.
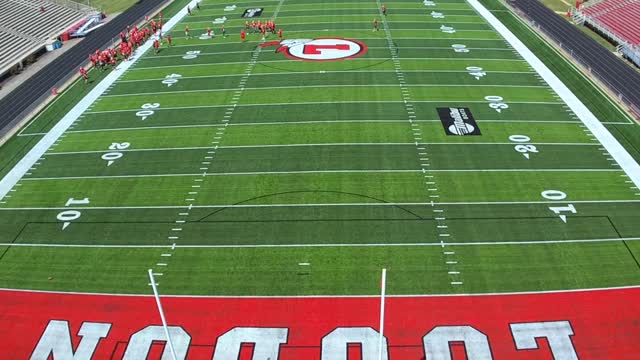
169	40
84	75
375	25
280	34
156	46
186	32
243	35
209	32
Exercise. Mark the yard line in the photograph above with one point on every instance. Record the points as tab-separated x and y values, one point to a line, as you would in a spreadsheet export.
289	123
396	204
328	245
617	151
327	102
372	171
320	87
286	60
360	38
490	31
312	145
326	72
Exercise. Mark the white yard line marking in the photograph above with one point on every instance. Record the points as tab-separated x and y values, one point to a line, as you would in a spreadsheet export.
293	61
314	145
326	103
307	87
323	72
220	206
324	245
617	151
371	171
292	123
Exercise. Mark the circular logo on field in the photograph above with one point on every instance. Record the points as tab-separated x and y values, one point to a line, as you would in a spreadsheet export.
323	49
467	129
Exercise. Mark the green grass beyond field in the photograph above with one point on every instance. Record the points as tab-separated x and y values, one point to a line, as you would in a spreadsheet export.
275	176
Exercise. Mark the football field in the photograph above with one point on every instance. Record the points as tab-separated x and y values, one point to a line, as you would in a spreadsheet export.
432	147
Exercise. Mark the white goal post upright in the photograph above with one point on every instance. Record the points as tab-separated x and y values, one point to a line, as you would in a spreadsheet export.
383	286
164	321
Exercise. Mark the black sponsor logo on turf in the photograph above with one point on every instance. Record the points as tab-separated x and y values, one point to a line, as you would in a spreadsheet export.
458	121
251	13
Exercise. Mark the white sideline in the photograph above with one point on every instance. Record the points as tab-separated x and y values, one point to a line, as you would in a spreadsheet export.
617	151
19	170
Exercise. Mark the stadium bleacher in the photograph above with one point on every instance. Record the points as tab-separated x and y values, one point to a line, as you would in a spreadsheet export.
25	28
620	17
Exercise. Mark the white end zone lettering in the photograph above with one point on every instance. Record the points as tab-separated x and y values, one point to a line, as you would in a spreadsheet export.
334	344
56	341
140	342
557	333
437	342
266	342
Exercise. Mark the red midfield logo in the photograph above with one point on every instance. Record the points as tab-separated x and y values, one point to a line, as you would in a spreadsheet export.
321	49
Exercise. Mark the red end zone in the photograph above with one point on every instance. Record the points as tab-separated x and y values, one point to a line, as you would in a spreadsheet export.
603	324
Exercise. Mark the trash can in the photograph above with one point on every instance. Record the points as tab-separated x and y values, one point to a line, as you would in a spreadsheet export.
49	46
65	36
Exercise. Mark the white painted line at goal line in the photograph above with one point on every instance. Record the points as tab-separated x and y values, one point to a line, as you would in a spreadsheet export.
613	288
52	136
324	245
617	151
